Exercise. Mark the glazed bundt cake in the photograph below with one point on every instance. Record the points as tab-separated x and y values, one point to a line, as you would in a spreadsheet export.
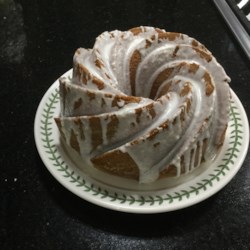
145	104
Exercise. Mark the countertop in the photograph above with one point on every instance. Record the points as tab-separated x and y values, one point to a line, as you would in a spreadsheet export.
37	43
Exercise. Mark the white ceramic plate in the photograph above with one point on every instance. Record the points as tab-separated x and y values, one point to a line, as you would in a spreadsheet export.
127	195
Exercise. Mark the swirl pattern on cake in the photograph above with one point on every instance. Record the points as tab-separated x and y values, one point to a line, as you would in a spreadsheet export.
145	104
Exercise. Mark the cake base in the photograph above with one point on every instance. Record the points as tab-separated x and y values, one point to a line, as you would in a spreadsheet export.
126	183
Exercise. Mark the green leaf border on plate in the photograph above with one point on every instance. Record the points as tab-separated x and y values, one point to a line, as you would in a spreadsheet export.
232	152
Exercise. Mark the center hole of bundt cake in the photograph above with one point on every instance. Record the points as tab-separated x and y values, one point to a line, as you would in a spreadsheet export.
133	92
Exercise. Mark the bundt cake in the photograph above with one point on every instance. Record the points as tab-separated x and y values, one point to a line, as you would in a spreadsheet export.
144	104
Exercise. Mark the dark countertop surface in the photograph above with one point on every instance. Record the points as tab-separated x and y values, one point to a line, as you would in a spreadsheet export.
37	42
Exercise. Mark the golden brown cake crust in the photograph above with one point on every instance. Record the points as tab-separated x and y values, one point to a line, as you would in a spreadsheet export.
117	163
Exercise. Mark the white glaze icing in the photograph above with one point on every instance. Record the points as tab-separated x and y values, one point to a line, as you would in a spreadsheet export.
172	61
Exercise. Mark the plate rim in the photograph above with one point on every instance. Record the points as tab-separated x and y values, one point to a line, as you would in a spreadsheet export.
123	206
